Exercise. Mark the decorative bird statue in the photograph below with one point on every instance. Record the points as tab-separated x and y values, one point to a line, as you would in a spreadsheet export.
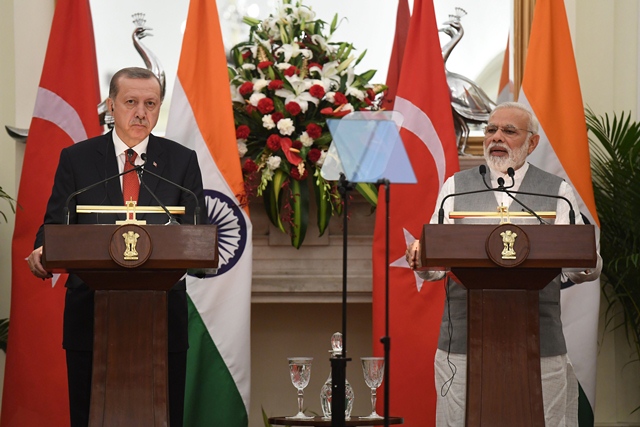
150	61
469	103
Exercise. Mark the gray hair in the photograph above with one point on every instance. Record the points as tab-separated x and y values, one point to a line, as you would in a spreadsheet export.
533	121
131	73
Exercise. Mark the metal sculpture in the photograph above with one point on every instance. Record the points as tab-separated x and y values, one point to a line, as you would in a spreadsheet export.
469	103
150	61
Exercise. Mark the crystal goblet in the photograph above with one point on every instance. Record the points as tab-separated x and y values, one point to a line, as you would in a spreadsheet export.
373	370
300	370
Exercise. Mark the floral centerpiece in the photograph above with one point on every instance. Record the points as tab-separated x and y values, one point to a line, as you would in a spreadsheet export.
289	77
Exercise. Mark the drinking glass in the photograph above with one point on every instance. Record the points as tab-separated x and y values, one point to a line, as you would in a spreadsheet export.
373	369
300	370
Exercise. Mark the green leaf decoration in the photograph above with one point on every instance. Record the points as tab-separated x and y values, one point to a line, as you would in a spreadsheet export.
299	211
271	199
322	189
369	192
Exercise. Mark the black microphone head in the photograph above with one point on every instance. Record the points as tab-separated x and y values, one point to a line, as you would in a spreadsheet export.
483	170
511	172
500	182
130	153
143	156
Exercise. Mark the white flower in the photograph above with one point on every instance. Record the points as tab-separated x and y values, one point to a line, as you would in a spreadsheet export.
273	162
259	84
235	94
242	147
320	161
300	93
305	139
329	76
255	98
283	65
351	89
248	66
267	174
267	122
285	126
293	50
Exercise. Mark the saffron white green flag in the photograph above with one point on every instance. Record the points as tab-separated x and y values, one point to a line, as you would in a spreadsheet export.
550	87
201	118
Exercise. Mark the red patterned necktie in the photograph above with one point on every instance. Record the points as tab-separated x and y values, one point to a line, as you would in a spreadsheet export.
130	183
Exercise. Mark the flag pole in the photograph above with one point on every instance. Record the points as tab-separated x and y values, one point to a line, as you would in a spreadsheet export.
386	340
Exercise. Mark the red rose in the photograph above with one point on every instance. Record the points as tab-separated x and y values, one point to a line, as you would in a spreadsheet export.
340	99
313	130
295	174
265	105
275	84
314	155
265	64
246	54
293	108
242	132
249	167
273	143
246	88
277	116
291	71
296	144
316	91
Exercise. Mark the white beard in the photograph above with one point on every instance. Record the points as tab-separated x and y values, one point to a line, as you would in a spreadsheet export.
515	158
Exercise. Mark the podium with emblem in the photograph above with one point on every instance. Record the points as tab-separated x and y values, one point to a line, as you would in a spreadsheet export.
503	269
131	267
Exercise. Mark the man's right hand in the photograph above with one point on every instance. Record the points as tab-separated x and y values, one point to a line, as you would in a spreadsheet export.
413	255
35	264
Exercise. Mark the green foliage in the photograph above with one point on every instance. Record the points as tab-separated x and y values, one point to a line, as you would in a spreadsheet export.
10	200
615	167
4	334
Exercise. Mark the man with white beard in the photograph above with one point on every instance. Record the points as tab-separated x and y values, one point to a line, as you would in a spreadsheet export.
510	136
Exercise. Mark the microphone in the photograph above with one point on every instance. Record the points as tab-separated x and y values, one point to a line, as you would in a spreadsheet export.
196	213
89	187
172	219
511	173
501	187
483	170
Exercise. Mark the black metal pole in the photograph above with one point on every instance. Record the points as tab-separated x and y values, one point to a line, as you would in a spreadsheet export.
386	340
339	362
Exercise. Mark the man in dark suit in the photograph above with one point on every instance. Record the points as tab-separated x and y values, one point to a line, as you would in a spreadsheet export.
134	101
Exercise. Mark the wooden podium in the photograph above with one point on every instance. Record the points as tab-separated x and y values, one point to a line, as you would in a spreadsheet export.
131	268
503	275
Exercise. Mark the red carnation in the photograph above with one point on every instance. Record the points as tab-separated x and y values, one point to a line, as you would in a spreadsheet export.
273	143
277	116
314	155
246	88
291	71
340	99
275	84
265	105
316	91
295	174
242	132
313	130
250	108
296	144
293	108
249	167
371	94
246	54
314	64
265	64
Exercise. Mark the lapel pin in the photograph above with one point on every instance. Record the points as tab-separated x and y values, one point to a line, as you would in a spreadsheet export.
155	164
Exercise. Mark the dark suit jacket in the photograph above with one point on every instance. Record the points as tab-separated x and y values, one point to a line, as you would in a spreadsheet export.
93	160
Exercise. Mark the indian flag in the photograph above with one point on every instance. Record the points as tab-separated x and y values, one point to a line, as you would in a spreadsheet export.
550	87
200	117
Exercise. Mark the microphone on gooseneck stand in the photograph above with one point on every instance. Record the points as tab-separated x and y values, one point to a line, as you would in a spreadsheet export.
501	187
572	214
89	187
172	219
196	213
483	170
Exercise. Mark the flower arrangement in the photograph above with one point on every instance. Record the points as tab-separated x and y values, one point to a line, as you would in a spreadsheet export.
289	77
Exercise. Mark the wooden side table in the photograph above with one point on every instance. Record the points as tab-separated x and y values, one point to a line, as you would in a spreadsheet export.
321	422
